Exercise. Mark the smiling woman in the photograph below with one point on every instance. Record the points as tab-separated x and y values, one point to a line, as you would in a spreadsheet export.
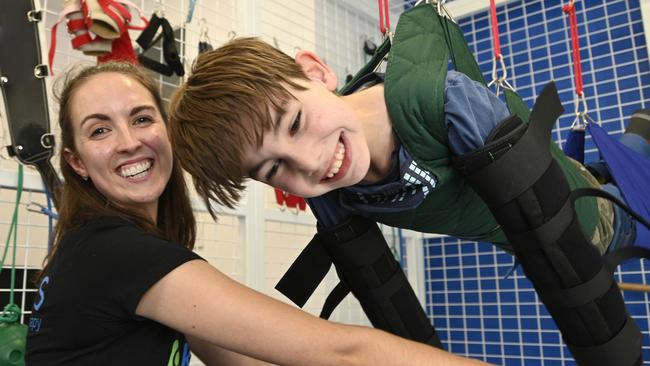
123	146
122	286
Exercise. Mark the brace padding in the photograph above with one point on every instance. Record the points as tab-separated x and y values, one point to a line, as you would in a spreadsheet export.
529	196
367	267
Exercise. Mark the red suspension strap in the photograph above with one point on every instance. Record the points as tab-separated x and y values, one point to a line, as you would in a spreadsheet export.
384	17
499	81
495	31
581	116
570	10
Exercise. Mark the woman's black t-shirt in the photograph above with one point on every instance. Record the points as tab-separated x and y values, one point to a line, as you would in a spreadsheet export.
84	312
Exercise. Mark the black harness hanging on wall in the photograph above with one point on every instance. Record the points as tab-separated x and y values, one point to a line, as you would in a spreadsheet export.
146	40
23	87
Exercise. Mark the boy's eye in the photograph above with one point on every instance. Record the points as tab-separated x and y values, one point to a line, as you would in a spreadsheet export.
273	170
295	126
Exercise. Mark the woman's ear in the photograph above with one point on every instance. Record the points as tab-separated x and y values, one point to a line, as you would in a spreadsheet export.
316	69
75	162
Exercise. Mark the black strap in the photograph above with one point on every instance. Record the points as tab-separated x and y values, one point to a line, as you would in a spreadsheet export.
616	352
305	273
581	294
619	256
146	40
582	192
333	300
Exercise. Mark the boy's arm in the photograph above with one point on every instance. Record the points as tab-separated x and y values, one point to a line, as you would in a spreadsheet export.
327	209
471	112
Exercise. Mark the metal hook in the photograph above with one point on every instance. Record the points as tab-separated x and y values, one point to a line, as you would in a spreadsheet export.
47	140
232	35
203	35
582	118
501	81
160	9
442	10
39	208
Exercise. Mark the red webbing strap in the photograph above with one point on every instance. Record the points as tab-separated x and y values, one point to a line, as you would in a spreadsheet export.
384	16
570	10
495	30
50	56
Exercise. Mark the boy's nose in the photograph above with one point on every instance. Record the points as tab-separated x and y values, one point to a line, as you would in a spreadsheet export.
308	161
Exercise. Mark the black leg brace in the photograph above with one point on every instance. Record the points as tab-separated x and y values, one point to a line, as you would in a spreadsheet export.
528	194
367	268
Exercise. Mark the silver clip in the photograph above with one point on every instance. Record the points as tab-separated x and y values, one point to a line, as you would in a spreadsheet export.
500	81
34	16
41	71
47	140
203	36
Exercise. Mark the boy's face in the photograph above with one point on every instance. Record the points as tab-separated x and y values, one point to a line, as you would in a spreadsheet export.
317	144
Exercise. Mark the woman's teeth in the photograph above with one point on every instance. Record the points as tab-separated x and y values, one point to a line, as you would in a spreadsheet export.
137	170
340	154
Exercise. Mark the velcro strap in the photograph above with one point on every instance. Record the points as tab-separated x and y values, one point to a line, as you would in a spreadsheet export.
305	273
624	349
80	40
145	39
619	256
549	233
173	62
155	65
581	192
578	295
383	292
170	52
75	25
333	300
347	230
526	161
364	250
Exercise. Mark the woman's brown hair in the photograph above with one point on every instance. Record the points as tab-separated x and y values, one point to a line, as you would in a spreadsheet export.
80	201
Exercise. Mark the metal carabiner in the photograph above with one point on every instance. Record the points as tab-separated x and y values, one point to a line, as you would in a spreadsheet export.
501	81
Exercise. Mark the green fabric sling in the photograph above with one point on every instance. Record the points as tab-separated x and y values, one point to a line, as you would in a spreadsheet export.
418	59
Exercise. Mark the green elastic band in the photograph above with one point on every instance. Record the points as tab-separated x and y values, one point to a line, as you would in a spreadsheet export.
11	312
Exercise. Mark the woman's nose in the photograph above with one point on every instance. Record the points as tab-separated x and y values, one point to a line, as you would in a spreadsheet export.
128	140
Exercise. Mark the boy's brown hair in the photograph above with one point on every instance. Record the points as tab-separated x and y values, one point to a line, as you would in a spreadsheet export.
223	108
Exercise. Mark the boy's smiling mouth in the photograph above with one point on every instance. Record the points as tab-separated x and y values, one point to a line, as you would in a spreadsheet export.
339	163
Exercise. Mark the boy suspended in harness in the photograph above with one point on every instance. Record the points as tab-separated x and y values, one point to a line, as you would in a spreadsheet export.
401	149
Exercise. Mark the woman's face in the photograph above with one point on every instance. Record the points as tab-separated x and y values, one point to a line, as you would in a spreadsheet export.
121	141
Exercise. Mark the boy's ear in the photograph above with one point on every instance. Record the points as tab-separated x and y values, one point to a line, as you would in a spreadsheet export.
75	162
316	69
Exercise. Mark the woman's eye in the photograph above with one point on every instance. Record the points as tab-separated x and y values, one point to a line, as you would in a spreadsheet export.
295	126
273	170
98	131
143	119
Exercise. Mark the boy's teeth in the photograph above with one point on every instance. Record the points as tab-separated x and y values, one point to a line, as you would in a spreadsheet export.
340	154
135	170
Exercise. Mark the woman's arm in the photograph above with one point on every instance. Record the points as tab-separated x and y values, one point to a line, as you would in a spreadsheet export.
201	302
213	355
